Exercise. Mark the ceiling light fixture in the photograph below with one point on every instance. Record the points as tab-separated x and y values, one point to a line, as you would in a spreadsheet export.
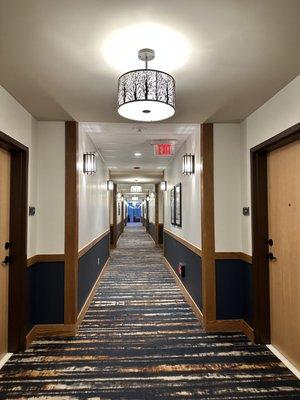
109	185
146	94
137	154
163	185
188	164
136	189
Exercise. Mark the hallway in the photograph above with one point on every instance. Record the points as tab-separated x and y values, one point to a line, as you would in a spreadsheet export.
140	340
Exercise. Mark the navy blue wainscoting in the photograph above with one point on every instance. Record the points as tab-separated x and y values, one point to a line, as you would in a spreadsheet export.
234	290
45	293
89	270
152	231
175	252
160	233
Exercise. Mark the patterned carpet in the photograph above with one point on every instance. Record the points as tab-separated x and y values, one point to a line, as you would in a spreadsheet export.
140	340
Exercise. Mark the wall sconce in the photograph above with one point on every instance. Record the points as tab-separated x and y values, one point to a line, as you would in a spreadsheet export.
89	163
152	195
163	185
188	164
122	198
119	195
148	198
109	185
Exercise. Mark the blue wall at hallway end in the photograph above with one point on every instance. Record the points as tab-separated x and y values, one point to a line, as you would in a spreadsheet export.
89	270
175	252
234	290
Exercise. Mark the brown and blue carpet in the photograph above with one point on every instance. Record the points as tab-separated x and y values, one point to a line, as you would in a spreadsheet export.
140	340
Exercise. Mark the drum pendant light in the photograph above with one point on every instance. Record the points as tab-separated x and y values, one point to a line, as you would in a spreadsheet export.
146	94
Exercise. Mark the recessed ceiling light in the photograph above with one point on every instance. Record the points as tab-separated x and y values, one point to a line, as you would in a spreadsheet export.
137	154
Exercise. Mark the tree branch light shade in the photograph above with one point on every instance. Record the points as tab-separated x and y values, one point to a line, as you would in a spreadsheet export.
146	94
188	164
89	163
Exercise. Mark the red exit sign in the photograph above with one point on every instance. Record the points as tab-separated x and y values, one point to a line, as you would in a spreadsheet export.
163	149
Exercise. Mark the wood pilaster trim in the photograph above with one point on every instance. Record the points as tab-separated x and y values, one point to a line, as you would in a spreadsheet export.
233	255
71	222
187	244
156	211
90	245
207	223
185	293
45	258
114	205
91	295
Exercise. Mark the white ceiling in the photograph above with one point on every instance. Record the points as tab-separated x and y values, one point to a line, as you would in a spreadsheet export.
228	56
117	143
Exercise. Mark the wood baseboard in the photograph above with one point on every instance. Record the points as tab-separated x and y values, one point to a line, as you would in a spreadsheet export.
64	330
91	295
185	293
230	325
248	330
50	330
223	325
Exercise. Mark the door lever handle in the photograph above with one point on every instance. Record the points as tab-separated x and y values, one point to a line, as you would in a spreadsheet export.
272	257
7	260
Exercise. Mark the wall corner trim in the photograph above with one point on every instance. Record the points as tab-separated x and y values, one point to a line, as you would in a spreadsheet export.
71	222
207	222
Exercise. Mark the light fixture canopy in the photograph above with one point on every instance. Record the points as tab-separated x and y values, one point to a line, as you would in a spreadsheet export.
89	163
109	185
163	185
146	94
188	164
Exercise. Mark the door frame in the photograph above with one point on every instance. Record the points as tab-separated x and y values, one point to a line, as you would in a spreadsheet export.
260	234
17	302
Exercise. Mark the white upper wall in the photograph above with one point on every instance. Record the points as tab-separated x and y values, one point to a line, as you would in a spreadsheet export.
51	187
93	196
276	115
227	187
191	201
17	123
152	210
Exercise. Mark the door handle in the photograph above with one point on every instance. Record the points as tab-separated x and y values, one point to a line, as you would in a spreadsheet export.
272	257
7	260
